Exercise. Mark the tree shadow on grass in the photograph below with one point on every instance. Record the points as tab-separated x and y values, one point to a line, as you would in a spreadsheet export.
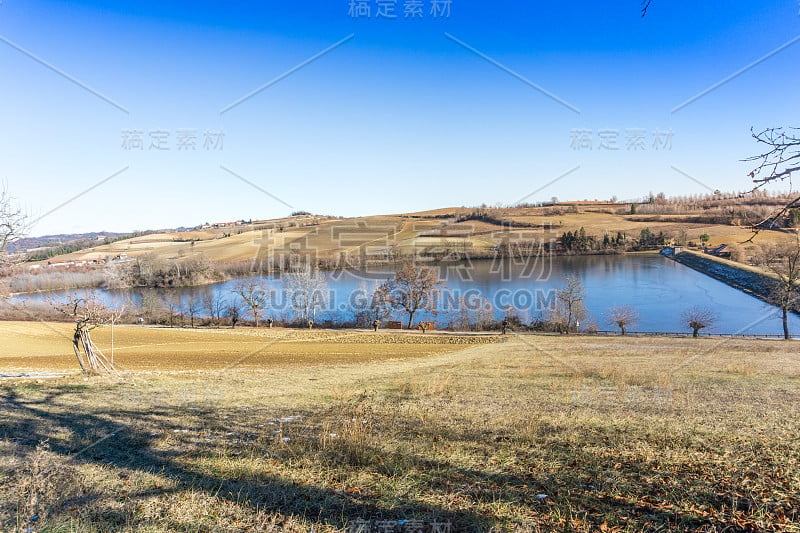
582	479
126	440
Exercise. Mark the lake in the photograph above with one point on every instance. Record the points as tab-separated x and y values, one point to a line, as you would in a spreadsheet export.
660	289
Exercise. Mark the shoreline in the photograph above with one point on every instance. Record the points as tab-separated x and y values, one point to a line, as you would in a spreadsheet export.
225	277
747	280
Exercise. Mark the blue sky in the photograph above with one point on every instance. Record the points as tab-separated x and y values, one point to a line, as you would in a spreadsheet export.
404	115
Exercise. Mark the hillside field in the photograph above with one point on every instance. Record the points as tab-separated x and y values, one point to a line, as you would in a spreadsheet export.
407	234
324	428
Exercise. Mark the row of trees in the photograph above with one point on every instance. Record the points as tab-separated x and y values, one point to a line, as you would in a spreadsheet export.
410	290
696	318
150	271
580	242
414	289
780	260
569	311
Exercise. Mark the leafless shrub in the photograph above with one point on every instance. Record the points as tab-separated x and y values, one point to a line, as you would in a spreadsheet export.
622	316
698	318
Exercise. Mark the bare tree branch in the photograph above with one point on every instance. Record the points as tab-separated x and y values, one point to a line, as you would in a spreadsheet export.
254	295
783	262
569	309
777	162
14	222
781	158
308	291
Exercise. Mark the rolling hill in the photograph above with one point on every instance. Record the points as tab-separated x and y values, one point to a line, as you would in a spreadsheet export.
478	231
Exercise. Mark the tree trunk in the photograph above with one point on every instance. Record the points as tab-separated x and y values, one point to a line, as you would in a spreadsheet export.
410	319
93	361
76	346
785	323
695	332
623	329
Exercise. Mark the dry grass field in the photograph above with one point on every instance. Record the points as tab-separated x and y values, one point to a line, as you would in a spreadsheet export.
538	433
35	346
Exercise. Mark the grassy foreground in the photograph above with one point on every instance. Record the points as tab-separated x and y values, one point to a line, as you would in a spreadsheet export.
539	433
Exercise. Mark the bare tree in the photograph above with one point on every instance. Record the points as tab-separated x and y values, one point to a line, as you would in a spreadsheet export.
569	309
174	307
193	307
783	262
698	318
473	313
780	158
622	316
413	288
114	277
234	311
215	304
88	313
308	291
151	305
13	226
371	307
252	293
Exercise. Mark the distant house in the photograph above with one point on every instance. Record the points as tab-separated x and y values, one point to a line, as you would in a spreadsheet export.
587	203
73	263
120	258
60	264
720	251
218	225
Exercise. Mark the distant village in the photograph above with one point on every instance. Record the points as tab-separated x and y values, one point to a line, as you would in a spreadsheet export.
61	264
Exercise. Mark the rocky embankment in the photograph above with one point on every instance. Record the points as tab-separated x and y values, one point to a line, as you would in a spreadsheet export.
748	281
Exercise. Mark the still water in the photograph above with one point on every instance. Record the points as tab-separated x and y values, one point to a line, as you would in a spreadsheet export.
658	288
